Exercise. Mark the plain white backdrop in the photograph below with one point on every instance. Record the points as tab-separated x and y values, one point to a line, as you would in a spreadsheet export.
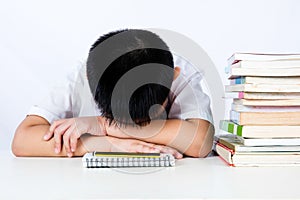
41	41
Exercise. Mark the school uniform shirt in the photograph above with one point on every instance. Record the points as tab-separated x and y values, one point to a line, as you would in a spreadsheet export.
74	98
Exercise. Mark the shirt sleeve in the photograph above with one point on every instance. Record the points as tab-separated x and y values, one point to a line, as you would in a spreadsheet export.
188	100
58	103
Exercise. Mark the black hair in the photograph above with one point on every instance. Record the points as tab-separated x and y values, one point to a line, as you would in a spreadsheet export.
119	53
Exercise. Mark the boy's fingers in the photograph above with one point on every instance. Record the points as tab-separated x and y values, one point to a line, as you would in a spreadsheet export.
57	141
73	143
141	148
52	128
178	155
47	136
70	140
154	150
170	151
166	149
66	139
54	125
58	132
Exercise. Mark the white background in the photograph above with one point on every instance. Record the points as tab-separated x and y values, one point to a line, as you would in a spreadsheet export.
41	41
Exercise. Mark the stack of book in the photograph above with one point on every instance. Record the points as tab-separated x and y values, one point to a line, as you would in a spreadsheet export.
264	123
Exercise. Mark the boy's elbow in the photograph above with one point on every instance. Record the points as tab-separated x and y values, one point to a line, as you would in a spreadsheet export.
16	150
16	147
199	151
202	145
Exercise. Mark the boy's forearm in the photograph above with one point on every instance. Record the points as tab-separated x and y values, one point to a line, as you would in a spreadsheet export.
192	137
28	141
95	143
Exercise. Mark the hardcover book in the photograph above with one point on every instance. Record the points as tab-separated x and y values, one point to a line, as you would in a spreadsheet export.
257	158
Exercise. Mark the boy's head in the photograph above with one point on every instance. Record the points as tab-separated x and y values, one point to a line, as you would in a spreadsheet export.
130	72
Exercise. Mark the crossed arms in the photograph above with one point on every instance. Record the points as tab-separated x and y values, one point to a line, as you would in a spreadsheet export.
68	137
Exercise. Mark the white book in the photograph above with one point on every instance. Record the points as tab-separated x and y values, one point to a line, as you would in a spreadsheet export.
258	158
267	64
270	141
262	95
287	72
263	88
238	56
265	80
280	102
235	143
242	108
261	141
267	118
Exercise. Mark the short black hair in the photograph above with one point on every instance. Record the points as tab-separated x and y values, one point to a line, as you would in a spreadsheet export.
119	53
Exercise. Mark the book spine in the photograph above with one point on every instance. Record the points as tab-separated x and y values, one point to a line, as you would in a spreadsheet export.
242	108
226	148
229	164
231	60
235	116
234	95
225	153
231	127
238	80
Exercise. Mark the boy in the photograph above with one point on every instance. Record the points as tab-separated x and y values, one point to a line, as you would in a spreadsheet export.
129	97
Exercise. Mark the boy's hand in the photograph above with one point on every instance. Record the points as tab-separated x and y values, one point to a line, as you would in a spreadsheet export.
69	130
137	146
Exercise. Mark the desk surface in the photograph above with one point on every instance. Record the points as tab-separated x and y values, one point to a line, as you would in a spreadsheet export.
65	178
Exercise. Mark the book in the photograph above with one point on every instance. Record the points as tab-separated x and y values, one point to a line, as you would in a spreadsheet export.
257	158
242	108
263	88
278	72
272	102
236	145
262	95
265	118
270	141
260	141
265	80
236	57
262	131
121	159
291	63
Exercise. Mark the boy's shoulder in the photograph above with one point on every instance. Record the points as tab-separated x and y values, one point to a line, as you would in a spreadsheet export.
187	69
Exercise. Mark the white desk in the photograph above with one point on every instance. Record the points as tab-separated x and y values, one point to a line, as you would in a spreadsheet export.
64	178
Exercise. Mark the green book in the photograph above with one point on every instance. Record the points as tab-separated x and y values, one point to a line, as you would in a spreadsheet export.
231	127
260	131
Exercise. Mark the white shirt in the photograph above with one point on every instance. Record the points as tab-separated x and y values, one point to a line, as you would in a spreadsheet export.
74	98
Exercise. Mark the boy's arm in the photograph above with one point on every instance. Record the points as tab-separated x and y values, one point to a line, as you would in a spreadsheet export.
28	139
192	137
